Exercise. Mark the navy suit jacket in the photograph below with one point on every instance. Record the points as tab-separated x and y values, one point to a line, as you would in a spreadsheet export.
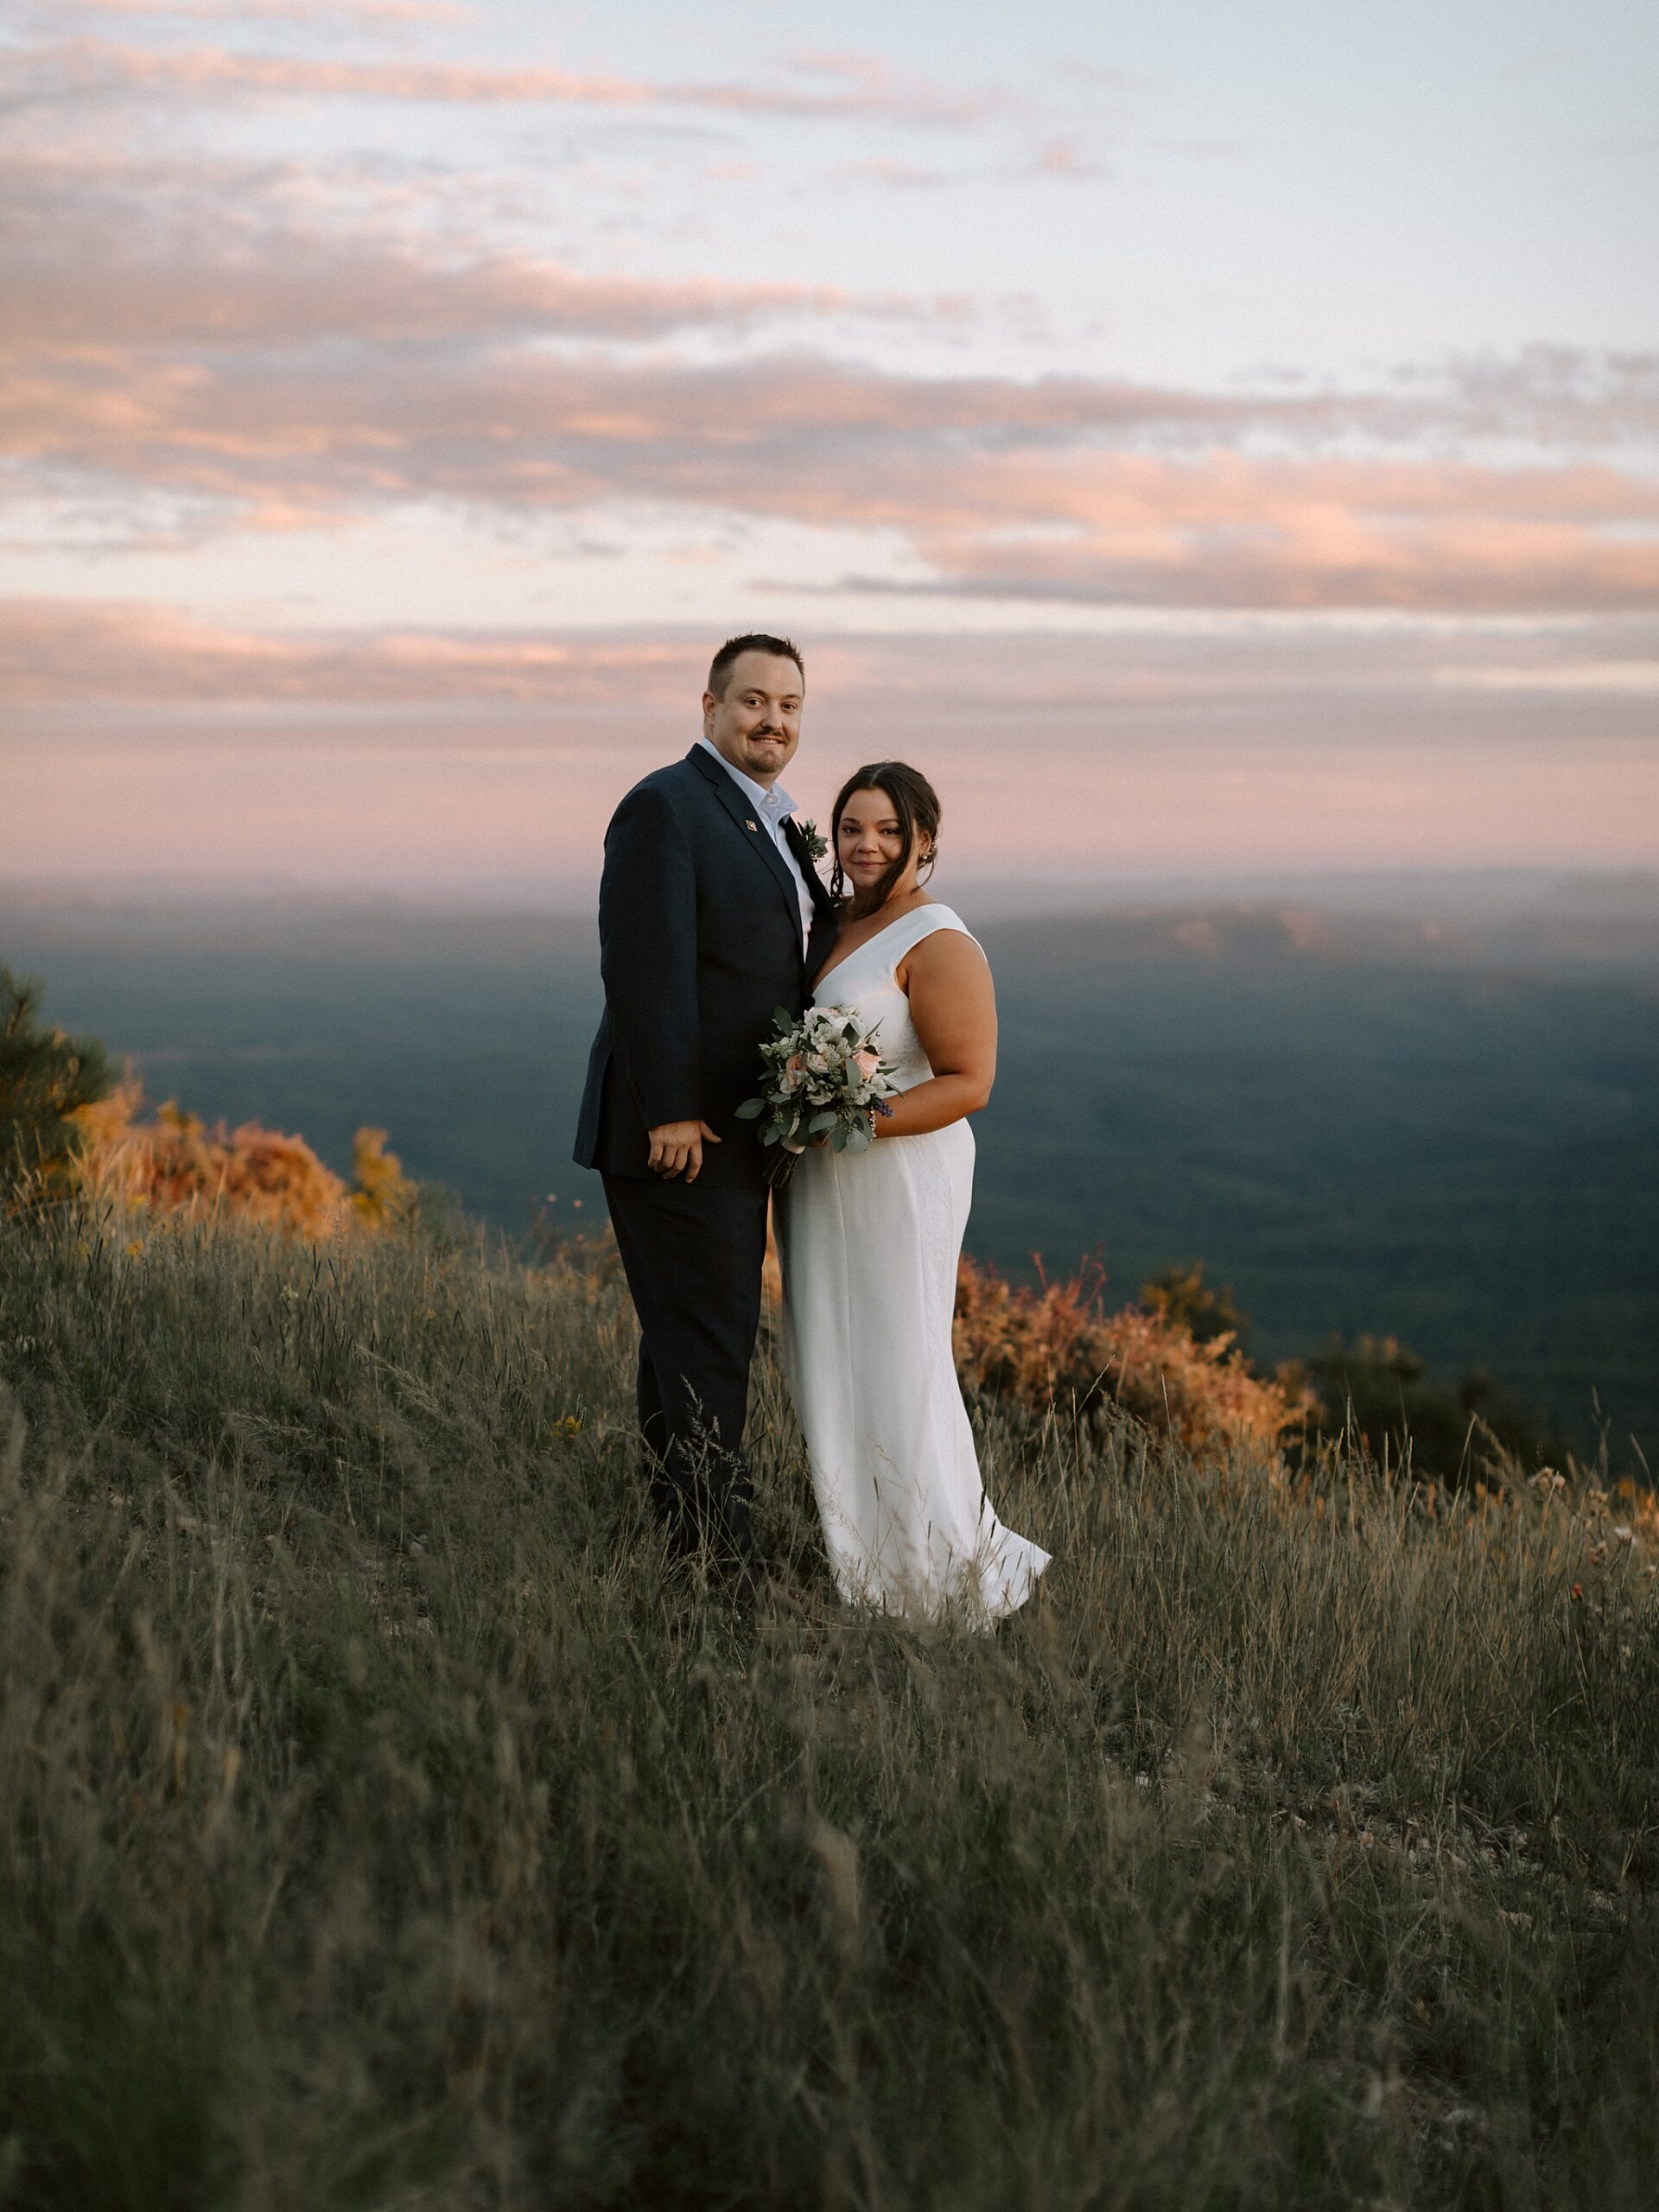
700	942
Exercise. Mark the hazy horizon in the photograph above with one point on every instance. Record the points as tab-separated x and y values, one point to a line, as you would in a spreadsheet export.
1437	893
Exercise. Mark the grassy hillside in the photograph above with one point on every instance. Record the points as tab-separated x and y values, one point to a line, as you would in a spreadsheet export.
1449	1138
385	1826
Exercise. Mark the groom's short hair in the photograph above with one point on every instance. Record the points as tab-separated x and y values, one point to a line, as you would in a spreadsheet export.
755	642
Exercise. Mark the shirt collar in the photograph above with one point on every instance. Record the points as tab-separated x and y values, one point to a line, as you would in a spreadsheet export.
774	804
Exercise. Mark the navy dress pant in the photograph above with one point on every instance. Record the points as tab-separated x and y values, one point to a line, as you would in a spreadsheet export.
693	1255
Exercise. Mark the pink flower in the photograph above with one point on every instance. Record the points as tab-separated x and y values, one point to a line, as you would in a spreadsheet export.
868	1060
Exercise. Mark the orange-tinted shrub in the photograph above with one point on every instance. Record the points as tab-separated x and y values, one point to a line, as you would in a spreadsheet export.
384	1195
1057	1346
176	1166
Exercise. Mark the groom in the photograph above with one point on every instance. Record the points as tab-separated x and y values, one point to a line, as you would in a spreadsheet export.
711	916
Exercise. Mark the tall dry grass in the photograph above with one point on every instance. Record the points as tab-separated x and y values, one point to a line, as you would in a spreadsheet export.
385	1824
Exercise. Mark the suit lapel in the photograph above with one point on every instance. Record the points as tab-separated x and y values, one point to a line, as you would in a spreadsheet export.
822	902
821	934
798	846
753	829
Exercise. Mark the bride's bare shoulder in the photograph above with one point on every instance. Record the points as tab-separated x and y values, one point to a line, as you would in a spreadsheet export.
945	957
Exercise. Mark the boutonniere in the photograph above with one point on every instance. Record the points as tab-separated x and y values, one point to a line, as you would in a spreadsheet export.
816	849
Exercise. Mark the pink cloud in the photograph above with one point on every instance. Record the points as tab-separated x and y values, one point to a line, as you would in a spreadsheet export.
869	69
905	176
101	256
78	68
290	290
1060	158
55	653
395	12
1225	530
58	652
274	375
999	489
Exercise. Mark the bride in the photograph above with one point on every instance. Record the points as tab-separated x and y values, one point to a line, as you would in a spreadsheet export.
869	1242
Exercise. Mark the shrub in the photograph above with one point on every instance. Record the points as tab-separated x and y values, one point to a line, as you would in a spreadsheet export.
177	1165
1058	1347
46	1081
384	1196
1379	1391
1180	1294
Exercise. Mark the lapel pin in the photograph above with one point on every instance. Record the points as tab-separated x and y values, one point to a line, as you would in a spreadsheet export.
750	825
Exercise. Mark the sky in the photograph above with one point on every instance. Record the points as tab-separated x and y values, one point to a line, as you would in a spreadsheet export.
1206	440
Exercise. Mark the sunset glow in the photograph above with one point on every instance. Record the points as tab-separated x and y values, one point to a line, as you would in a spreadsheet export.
1205	441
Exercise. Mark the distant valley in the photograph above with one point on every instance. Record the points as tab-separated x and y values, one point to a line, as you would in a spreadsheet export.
1449	1132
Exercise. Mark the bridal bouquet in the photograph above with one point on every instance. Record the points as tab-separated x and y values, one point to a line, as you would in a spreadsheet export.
821	1078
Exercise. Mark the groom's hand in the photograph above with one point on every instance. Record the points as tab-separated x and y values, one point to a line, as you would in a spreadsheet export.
676	1148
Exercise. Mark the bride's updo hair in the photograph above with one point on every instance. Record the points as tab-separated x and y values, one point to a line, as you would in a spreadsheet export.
915	808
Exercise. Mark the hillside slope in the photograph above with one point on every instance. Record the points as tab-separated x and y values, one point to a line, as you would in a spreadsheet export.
386	1826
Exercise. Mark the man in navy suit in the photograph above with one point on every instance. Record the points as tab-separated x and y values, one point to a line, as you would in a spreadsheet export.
711	916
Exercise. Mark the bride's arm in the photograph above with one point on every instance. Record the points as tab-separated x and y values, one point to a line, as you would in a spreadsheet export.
953	1005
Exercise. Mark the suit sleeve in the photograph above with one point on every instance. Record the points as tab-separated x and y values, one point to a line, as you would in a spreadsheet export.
648	956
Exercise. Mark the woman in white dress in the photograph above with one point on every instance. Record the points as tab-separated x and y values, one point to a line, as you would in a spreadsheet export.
869	1241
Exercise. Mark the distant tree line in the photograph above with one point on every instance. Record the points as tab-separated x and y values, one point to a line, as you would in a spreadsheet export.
1377	1390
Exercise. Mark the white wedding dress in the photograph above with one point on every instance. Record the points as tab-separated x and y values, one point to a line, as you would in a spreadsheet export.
869	1243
